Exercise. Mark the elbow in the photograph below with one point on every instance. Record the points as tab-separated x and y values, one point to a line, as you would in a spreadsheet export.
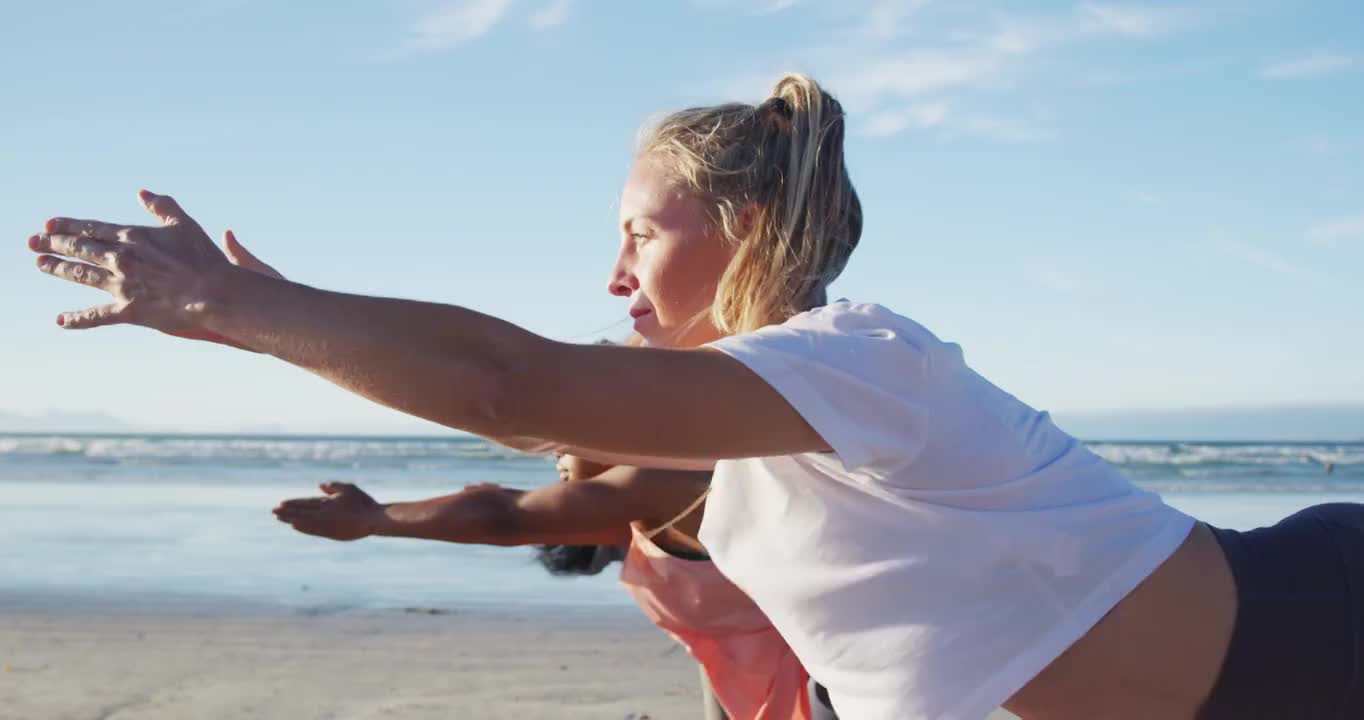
469	396
489	517
504	527
490	412
504	398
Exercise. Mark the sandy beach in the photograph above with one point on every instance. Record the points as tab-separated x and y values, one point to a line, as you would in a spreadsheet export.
86	663
97	663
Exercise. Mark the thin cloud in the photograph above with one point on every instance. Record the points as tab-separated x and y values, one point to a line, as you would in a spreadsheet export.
552	15
870	78
1095	77
879	75
1333	232
891	122
912	75
1310	65
936	115
1322	145
1264	259
198	11
751	7
887	18
1129	20
1005	130
1065	276
458	22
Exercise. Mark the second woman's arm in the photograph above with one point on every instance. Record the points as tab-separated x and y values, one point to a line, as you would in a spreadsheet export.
595	511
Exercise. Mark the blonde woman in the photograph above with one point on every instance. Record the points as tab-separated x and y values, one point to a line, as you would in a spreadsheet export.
930	546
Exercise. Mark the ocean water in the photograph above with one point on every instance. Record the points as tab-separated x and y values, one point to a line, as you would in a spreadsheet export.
138	518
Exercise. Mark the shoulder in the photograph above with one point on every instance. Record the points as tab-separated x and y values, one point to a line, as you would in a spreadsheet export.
861	376
845	317
839	333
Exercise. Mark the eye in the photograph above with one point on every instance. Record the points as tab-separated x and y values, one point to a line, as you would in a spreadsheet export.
639	238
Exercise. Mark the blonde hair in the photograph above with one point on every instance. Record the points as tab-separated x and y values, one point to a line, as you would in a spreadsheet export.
779	190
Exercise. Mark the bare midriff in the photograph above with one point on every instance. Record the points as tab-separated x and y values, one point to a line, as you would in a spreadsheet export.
1156	654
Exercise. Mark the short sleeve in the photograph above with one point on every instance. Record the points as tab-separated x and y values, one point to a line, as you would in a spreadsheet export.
858	374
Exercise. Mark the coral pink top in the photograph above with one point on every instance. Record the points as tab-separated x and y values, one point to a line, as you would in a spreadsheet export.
752	672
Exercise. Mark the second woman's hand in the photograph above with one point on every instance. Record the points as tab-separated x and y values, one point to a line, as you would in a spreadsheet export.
345	513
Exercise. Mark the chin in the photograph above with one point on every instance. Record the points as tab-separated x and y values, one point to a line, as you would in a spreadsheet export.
671	341
654	341
656	337
673	338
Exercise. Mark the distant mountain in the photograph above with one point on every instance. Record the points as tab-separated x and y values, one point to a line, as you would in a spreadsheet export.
1289	423
65	422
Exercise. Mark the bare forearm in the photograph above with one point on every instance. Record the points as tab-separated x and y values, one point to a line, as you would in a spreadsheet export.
483	518
439	362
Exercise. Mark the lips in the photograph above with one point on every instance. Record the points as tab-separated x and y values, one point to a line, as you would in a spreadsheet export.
639	306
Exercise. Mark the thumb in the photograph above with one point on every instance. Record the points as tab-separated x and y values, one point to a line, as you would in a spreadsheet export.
163	207
336	488
233	249
243	258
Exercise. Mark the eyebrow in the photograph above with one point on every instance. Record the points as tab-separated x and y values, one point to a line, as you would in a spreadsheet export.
632	222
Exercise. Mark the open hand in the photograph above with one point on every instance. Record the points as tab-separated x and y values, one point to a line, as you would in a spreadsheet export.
345	512
156	276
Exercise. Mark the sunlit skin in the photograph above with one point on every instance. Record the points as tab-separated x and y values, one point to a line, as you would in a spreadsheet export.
1156	654
594	505
670	260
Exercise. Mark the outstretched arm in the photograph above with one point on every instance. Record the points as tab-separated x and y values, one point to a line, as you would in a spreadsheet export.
447	364
597	511
474	372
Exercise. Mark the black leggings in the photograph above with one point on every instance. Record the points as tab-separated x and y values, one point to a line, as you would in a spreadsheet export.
1297	650
821	707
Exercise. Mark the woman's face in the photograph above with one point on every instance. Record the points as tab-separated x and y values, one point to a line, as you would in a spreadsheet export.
670	261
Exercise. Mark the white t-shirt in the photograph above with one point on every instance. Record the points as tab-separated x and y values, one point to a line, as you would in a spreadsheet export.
953	544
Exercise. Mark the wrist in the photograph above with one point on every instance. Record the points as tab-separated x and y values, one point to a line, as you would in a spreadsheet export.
381	523
220	290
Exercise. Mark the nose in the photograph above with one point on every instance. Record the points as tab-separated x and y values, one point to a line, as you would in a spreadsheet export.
622	282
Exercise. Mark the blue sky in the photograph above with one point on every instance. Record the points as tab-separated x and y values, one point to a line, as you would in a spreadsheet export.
1108	205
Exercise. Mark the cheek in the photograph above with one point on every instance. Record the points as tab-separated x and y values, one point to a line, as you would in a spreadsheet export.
683	281
699	272
717	261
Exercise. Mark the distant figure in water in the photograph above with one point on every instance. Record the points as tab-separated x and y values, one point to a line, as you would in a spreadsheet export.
1329	467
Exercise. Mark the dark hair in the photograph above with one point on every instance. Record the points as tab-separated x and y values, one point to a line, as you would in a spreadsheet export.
571	560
